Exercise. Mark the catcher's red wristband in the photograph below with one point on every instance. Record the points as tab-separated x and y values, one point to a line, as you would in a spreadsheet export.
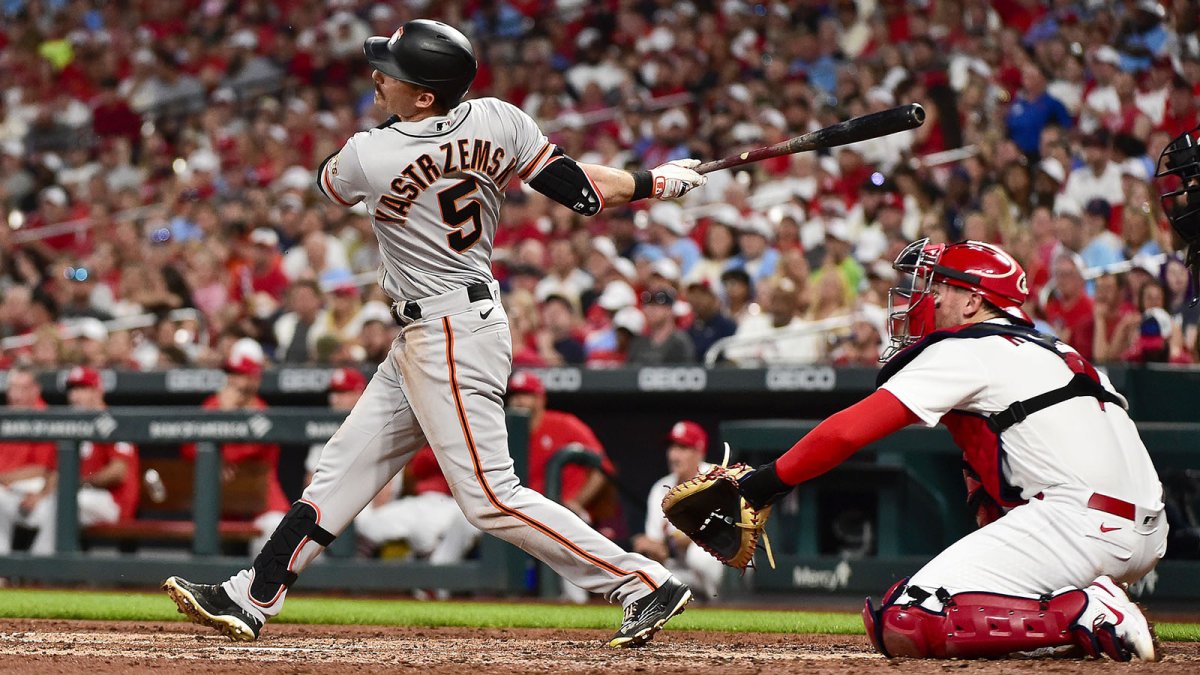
842	434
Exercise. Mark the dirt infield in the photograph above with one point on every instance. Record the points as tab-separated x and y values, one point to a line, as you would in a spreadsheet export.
134	647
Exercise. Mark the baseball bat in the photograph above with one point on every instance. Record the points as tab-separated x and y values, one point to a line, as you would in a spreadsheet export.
873	125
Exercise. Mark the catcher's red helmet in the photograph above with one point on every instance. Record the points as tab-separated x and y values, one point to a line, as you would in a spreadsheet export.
976	266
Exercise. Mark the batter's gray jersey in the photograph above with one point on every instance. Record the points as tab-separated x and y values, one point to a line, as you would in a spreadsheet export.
434	189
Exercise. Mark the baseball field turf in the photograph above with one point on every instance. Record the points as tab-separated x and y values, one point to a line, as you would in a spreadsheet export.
116	606
136	633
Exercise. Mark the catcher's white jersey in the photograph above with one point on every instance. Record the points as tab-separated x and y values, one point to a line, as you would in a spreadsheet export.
1075	446
433	189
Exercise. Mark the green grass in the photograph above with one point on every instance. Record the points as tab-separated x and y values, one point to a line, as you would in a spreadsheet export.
57	604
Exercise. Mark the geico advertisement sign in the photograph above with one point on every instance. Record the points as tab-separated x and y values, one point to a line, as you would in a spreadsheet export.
561	379
300	380
672	379
186	380
801	379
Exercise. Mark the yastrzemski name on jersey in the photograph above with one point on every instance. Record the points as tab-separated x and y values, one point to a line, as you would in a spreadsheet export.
458	160
433	189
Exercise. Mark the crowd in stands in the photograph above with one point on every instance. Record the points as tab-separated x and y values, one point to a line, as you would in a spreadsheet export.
157	174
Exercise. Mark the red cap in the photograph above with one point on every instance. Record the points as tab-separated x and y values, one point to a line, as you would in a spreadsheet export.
525	382
347	379
82	376
243	365
690	434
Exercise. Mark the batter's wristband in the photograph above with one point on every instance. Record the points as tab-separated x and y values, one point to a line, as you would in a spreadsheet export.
643	185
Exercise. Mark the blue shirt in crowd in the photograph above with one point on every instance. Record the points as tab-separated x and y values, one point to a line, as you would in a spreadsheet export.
705	333
1026	119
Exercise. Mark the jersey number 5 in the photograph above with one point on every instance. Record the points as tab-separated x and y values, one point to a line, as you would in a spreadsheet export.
457	216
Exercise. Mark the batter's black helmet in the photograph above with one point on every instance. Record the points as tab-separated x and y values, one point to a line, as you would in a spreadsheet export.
428	54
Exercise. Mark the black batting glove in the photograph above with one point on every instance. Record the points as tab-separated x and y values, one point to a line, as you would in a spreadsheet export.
763	487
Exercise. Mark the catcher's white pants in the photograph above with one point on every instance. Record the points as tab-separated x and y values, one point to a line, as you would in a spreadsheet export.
444	381
96	507
1045	546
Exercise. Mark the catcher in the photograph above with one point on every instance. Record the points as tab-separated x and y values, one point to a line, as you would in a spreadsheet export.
1069	504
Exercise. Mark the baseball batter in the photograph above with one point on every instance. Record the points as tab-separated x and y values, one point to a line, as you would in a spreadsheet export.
1069	503
433	178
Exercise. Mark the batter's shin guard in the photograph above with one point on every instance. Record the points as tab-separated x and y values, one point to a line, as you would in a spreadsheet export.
273	568
983	625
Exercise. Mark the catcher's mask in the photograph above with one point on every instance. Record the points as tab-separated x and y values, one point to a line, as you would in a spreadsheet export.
1179	177
976	266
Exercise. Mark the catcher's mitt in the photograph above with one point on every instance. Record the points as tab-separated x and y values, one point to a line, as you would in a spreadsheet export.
712	513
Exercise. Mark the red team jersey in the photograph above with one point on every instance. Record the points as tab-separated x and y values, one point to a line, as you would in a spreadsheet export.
16	454
556	430
1077	319
95	456
236	453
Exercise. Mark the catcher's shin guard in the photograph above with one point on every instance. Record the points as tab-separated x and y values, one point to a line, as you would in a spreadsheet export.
274	567
871	616
978	625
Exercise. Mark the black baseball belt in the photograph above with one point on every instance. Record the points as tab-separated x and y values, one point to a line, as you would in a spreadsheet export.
411	310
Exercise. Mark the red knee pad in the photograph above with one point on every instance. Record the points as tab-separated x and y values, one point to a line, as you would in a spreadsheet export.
979	625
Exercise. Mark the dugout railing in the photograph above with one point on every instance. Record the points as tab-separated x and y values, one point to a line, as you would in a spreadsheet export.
499	568
912	488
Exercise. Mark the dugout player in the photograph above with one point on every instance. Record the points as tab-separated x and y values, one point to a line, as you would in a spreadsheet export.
25	466
433	178
108	475
583	489
346	386
243	377
1069	503
660	540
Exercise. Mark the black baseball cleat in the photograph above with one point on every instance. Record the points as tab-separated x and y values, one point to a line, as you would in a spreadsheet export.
645	616
209	605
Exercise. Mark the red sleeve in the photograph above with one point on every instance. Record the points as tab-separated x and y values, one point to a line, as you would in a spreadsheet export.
585	436
44	454
842	434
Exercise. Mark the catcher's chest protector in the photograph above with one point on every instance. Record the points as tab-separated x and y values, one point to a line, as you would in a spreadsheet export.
979	435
